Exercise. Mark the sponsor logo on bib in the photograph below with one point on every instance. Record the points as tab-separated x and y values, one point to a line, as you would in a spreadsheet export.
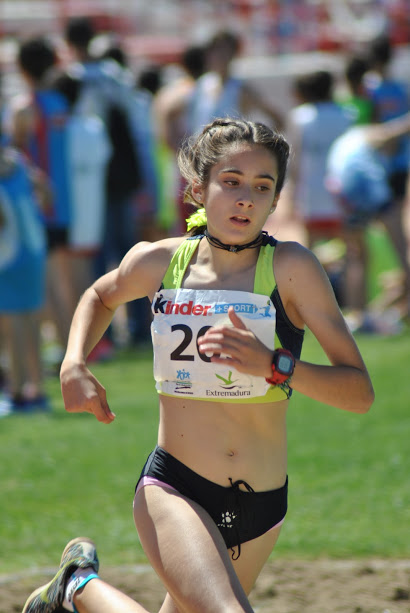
167	307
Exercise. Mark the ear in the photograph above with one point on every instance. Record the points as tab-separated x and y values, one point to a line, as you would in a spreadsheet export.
274	204
198	192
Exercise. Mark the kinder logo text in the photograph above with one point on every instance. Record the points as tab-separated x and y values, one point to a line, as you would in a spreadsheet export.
167	307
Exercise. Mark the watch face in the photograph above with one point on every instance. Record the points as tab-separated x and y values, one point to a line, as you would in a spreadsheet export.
285	364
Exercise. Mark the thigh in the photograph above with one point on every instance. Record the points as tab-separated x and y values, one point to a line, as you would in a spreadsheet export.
254	555
187	551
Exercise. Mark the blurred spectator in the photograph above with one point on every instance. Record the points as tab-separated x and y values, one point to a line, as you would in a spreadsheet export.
391	100
38	127
357	101
145	200
170	109
313	126
218	94
171	102
141	121
108	92
116	53
22	284
150	80
105	95
88	151
356	174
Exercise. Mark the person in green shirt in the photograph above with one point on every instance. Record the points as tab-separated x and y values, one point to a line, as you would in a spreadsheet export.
357	101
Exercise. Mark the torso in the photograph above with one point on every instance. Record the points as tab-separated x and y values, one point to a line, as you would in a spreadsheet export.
220	440
47	148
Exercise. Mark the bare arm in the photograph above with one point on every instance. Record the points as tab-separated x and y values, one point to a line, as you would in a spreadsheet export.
139	274
380	135
21	125
309	300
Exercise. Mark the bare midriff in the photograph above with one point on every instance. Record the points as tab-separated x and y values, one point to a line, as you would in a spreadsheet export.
226	440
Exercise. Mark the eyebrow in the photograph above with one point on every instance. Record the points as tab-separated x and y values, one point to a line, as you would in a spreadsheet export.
239	172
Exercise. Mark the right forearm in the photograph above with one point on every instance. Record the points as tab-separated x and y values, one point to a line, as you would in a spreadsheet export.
90	321
382	134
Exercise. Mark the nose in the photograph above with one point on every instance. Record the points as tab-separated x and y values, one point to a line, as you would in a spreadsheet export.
245	198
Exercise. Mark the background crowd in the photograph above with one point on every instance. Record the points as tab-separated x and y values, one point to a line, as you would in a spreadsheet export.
87	169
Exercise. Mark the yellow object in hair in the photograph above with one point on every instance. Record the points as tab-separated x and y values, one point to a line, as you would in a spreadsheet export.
197	219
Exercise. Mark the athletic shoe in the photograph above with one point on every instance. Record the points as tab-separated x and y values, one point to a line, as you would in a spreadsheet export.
22	406
38	404
79	553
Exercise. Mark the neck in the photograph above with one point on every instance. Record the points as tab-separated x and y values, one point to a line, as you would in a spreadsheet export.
215	242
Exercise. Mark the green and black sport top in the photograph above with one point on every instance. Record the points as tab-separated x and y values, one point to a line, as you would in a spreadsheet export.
181	316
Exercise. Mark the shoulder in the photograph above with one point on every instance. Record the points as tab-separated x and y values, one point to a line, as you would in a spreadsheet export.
21	118
291	254
21	108
156	254
139	274
297	270
304	286
149	261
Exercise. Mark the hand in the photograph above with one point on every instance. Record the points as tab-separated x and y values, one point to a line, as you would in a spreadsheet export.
83	393
242	349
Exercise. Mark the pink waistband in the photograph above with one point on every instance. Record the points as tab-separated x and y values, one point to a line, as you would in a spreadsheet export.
147	480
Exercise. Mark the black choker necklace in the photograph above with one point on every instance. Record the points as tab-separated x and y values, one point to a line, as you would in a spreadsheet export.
215	242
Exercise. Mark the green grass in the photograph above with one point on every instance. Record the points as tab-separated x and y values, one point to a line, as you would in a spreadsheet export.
63	475
349	487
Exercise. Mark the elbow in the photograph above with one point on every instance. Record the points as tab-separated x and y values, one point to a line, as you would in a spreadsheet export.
366	401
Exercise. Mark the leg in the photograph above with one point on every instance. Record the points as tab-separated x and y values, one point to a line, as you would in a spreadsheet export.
100	597
355	276
95	596
60	295
33	357
393	221
188	553
22	333
13	330
254	555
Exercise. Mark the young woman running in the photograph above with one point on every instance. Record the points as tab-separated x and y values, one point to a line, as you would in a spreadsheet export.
229	305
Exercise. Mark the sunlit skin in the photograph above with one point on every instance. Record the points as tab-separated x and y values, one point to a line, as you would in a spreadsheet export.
217	439
240	194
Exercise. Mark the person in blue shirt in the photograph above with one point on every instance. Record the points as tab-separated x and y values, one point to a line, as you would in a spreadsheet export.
22	282
390	98
358	176
39	129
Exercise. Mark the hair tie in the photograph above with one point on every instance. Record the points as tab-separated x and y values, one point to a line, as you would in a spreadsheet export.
197	219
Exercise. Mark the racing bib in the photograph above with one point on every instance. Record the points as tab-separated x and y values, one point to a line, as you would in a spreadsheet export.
181	317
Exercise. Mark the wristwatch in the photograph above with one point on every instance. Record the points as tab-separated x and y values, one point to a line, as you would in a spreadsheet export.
283	365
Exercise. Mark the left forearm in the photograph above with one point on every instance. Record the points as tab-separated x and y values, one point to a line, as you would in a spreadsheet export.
343	387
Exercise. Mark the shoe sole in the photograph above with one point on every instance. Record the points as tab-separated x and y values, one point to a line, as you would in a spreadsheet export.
44	587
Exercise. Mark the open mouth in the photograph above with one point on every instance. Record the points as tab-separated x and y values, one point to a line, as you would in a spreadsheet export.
240	219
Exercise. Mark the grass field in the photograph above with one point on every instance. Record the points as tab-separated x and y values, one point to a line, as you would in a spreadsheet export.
65	475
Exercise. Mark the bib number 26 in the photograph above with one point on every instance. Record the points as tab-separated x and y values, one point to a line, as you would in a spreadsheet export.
178	353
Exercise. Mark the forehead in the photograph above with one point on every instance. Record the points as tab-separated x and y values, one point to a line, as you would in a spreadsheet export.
247	156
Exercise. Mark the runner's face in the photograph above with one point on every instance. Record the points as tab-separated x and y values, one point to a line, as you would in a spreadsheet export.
240	193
